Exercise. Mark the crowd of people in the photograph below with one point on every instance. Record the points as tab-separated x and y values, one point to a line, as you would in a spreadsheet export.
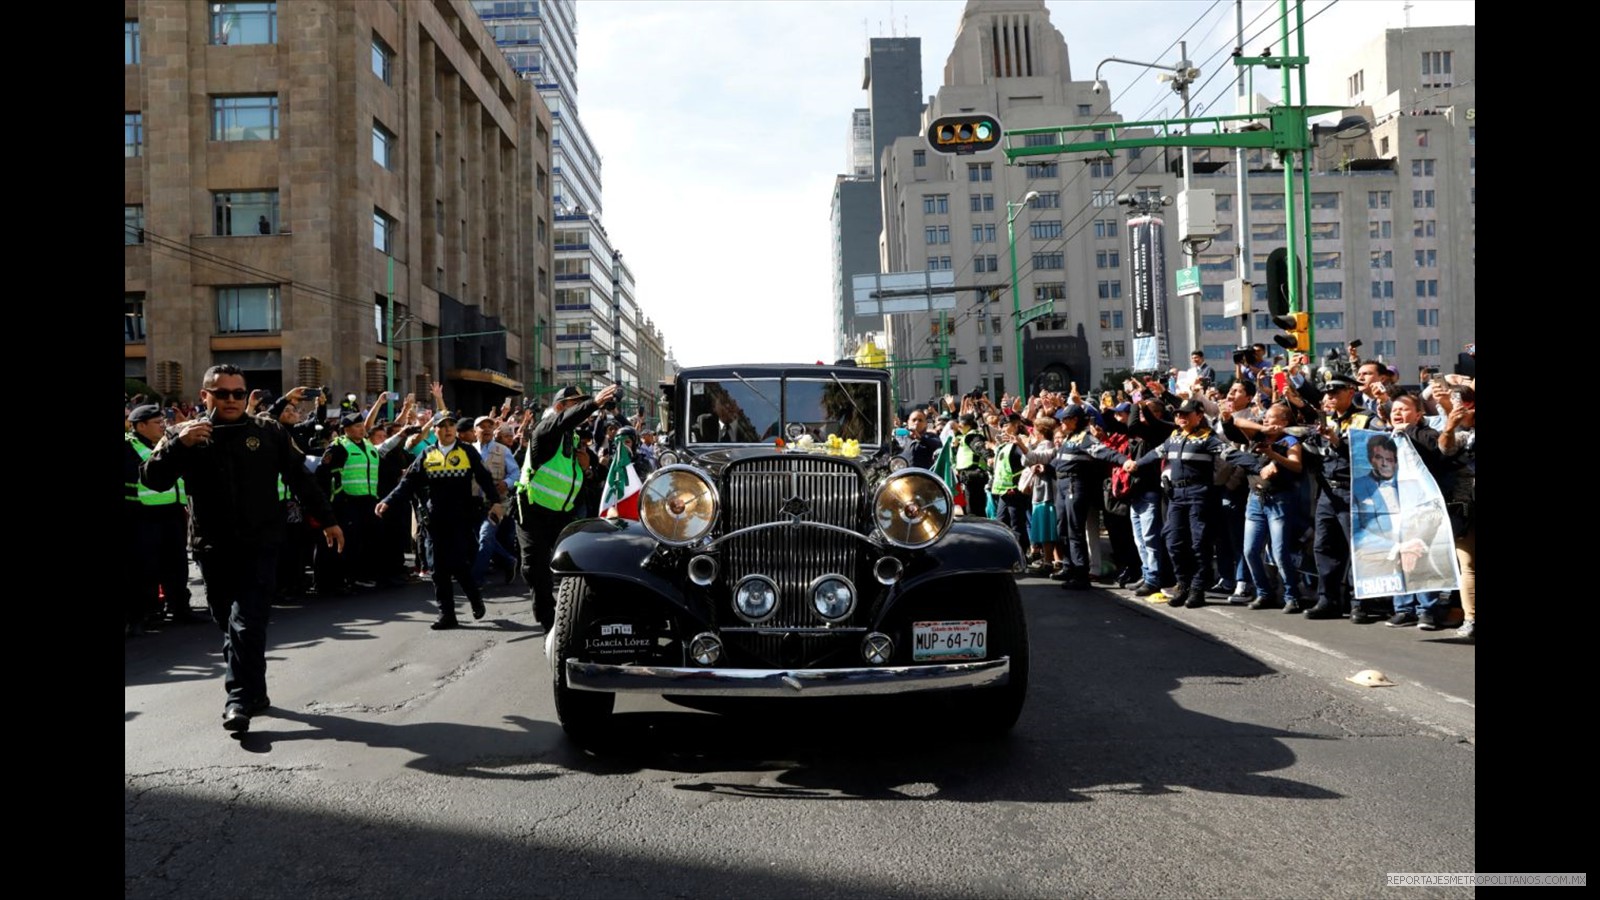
276	500
1240	488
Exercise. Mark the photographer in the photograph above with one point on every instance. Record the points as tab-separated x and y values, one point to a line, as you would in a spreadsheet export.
547	492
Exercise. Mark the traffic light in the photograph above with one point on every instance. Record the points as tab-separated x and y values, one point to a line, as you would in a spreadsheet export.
970	133
1296	324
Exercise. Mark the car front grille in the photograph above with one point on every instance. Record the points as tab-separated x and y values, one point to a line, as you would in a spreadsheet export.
770	490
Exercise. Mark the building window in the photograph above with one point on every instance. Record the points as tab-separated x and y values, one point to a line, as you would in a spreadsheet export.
1424	227
1436	68
1224	203
1428	318
1042	170
1383	318
988	263
1046	200
1049	260
1383	229
1422	137
1324	200
438	219
1383	259
1358	83
1102	199
1044	230
1472	134
1326	260
1421	167
1269	231
1110	320
1383	289
1422	199
1105	228
982	202
939	234
244	212
132	134
1215	262
1085	110
919	158
1113	349
1427	259
132	318
247	309
1038	140
382	60
1049	290
983	234
1110	290
1427	287
382	232
936	204
132	224
1107	259
1101	168
1328	290
1380	199
130	42
1266	201
1211	293
244	118
236	24
980	171
383	146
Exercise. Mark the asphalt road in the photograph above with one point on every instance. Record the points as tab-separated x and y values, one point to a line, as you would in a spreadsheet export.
1214	752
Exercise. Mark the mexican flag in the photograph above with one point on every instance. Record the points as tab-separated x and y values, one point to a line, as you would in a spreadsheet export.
621	497
942	464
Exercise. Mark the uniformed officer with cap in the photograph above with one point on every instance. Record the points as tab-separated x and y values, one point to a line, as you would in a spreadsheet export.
971	465
349	473
447	470
1330	457
158	558
1080	471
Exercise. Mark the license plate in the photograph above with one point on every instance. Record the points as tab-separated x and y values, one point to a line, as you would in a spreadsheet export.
950	640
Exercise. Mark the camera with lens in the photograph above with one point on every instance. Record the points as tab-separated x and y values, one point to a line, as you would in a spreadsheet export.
1244	356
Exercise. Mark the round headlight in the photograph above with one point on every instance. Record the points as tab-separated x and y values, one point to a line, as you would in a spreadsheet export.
913	508
667	458
755	599
677	505
833	596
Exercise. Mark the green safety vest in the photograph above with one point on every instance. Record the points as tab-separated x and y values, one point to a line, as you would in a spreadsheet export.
1005	478
359	476
965	458
555	484
144	496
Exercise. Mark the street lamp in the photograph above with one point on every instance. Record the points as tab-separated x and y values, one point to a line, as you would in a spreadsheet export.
1181	75
1016	298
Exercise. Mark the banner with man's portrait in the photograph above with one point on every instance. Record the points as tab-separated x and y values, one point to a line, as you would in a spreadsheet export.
1400	535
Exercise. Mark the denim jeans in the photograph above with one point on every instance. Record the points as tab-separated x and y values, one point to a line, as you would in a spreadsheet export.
490	549
1271	528
1145	510
1424	603
1232	567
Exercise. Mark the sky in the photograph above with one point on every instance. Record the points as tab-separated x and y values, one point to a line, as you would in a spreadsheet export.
721	125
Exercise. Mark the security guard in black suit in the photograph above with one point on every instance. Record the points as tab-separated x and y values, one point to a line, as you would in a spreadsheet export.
1330	458
447	471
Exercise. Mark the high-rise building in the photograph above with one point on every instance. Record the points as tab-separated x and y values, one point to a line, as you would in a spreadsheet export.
1391	215
596	319
313	191
892	78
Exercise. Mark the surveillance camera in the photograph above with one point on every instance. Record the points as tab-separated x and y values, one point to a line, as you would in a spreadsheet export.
1097	87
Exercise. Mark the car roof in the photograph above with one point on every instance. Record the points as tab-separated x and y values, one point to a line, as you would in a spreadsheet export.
780	370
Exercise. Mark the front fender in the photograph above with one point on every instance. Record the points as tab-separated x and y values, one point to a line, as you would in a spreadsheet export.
971	546
612	550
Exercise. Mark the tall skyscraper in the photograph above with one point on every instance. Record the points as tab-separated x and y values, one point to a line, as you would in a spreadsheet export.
892	77
597	320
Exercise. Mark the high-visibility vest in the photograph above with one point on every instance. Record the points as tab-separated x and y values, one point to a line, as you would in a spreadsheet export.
143	495
359	475
1005	478
454	464
555	484
965	458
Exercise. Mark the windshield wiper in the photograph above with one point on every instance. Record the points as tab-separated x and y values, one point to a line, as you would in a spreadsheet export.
861	413
775	407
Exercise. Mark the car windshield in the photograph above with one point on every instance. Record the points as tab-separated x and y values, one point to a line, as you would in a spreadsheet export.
758	410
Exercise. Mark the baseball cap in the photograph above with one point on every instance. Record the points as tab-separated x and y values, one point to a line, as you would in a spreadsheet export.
348	419
1190	406
144	413
1124	406
483	421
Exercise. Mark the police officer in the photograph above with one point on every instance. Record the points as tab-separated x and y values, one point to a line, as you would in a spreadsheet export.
159	559
1011	505
1330	454
971	465
548	489
349	468
230	464
1193	511
447	471
1079	467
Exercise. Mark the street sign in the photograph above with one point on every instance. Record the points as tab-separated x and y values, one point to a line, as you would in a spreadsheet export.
903	292
1035	312
1234	292
1188	280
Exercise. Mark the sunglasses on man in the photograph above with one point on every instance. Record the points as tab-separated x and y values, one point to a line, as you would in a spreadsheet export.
226	394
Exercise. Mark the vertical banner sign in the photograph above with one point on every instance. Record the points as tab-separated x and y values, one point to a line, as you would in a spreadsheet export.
1147	253
1400	535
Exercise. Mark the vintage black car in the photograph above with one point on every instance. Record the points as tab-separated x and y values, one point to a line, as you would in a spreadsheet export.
783	550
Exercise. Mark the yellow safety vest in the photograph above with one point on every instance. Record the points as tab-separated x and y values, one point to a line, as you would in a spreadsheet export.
555	484
143	495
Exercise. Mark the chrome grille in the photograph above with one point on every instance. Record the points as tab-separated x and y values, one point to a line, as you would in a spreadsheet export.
793	557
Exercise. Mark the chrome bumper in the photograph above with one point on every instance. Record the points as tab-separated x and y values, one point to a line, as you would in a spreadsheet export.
786	682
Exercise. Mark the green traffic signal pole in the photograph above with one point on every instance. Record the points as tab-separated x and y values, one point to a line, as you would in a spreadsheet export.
1016	298
1287	133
